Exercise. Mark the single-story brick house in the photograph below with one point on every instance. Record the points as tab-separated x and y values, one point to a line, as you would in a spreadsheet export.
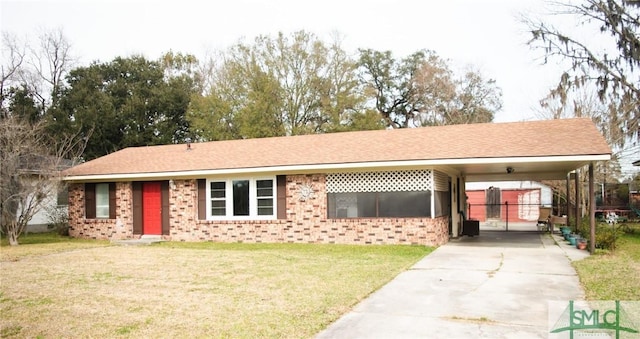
369	187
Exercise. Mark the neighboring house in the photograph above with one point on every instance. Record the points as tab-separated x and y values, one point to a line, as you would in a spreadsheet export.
52	206
38	171
370	187
508	205
487	200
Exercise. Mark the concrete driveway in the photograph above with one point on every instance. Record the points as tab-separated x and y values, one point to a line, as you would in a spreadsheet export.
496	285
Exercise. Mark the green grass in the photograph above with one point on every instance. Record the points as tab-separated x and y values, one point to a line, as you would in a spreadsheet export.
38	238
42	244
177	289
613	275
325	249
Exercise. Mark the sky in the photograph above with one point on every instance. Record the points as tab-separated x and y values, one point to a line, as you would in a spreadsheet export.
485	34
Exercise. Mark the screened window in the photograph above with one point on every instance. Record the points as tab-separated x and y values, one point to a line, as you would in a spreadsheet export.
379	204
442	203
241	198
102	200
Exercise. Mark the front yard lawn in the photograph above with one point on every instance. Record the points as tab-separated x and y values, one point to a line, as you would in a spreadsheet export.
613	275
42	244
190	289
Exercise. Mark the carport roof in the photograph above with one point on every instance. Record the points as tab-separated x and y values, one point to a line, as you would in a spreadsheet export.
478	151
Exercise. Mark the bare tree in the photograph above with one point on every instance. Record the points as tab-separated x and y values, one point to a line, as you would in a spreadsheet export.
31	163
13	58
49	62
39	70
606	63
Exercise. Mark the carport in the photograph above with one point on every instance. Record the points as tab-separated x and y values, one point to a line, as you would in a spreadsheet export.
499	284
557	150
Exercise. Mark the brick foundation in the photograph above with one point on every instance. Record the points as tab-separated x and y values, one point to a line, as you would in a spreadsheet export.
306	220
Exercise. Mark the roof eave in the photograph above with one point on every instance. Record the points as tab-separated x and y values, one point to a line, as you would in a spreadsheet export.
333	167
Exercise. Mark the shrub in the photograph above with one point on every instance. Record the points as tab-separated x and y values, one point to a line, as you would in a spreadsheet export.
59	220
627	229
606	234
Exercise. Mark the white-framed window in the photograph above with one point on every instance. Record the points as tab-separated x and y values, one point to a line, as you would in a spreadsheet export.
265	197
218	193
241	198
102	200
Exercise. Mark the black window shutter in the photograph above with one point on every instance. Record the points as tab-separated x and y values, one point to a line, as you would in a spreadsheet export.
202	199
281	191
137	207
164	194
112	200
90	201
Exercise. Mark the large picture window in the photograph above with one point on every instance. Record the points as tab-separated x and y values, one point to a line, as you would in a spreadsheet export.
411	204
243	198
420	193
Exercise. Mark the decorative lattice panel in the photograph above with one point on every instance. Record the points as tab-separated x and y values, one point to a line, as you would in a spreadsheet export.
441	181
396	181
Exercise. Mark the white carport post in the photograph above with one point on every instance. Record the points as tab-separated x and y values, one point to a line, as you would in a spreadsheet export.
433	194
592	212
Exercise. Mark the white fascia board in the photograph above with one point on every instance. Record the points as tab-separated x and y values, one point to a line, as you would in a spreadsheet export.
315	168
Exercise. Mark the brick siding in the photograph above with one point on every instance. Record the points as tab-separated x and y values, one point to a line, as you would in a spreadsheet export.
306	220
104	229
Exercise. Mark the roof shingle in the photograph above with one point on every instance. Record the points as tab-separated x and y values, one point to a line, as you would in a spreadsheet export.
491	140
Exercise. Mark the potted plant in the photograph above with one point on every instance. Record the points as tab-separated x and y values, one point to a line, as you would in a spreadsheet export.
581	244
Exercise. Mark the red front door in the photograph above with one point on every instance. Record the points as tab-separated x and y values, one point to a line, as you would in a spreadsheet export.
151	208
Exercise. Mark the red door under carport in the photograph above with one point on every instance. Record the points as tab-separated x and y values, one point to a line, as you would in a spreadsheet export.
151	208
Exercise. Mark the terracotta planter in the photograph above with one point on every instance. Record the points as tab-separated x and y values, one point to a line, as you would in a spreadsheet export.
582	245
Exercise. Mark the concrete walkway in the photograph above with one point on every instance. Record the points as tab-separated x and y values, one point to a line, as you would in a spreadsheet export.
143	240
496	285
